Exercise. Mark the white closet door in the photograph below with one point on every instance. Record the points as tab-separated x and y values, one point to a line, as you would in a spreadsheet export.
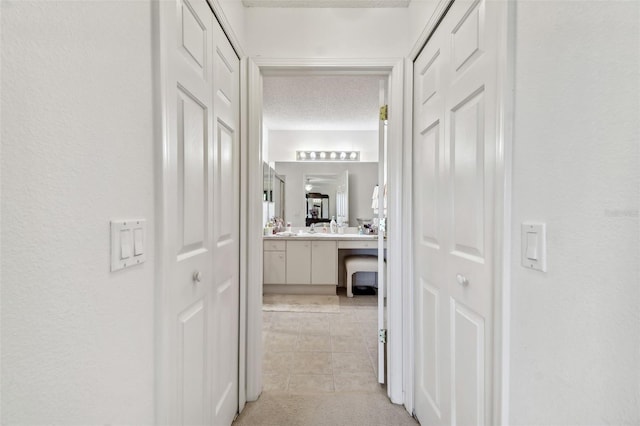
454	166
201	211
226	227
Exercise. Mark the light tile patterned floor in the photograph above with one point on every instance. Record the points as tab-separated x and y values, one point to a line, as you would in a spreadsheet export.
319	371
318	352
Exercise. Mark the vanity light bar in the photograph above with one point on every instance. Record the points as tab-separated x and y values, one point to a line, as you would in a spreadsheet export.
328	155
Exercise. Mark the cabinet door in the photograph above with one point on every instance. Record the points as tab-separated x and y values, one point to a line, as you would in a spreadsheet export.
274	267
298	262
324	262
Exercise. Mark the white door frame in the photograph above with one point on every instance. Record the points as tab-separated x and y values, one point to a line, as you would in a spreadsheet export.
253	296
502	218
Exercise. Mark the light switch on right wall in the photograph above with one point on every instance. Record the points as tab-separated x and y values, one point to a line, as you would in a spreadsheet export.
534	246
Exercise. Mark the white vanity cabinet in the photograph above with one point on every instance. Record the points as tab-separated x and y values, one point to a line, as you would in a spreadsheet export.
324	262
275	262
299	265
298	262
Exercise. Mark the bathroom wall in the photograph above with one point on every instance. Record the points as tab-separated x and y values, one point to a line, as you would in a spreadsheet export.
362	178
284	143
77	151
575	330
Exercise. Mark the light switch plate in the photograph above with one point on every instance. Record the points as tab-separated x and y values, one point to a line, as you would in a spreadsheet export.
126	250
534	246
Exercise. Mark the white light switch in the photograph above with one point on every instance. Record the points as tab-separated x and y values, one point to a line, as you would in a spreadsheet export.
127	243
534	251
138	242
532	246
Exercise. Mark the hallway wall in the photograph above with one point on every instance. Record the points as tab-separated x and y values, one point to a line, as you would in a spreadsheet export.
575	348
234	12
306	33
77	151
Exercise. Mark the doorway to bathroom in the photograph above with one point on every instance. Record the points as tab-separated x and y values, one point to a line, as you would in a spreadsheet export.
270	145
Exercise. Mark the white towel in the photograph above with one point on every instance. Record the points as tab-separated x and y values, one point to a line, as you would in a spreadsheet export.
385	198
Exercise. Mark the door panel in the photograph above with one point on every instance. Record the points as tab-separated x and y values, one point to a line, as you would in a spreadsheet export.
193	34
430	206
467	169
429	157
201	217
467	349
226	255
224	155
467	34
192	158
429	377
453	179
192	335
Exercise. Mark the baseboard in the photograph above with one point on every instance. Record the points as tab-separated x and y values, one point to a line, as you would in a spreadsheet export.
322	290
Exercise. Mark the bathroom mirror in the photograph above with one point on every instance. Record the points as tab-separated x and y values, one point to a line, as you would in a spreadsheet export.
349	187
326	196
273	194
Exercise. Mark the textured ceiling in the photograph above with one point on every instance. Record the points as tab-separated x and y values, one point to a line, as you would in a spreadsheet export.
326	3
321	102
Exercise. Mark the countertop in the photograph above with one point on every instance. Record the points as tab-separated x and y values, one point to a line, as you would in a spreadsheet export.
320	236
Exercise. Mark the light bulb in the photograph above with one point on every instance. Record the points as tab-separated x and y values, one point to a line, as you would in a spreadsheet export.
323	155
303	155
312	155
343	155
353	156
333	155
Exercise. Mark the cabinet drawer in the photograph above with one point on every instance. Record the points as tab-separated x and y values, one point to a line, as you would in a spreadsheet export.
358	244
270	245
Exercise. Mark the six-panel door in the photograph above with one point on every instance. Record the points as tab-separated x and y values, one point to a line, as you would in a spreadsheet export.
453	179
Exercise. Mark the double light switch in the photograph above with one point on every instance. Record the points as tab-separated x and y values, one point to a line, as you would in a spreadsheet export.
127	243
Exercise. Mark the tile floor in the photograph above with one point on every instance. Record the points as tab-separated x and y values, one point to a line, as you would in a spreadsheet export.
322	352
319	370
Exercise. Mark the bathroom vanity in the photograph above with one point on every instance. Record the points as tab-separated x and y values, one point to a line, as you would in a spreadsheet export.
308	264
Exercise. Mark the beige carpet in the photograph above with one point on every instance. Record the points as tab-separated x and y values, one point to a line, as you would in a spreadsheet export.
335	409
300	303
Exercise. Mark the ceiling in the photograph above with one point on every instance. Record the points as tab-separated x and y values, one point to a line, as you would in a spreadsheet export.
321	102
326	3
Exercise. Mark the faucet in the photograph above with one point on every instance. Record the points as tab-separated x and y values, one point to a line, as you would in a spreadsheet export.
312	228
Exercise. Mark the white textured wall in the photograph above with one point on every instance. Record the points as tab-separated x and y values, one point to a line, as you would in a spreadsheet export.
362	178
575	350
326	33
77	136
283	144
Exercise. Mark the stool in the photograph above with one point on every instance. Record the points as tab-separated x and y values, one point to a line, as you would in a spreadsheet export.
353	264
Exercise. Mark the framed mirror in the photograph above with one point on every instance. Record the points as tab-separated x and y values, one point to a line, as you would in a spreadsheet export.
317	205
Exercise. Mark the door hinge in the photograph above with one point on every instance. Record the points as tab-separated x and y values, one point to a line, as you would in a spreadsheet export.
384	112
382	335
